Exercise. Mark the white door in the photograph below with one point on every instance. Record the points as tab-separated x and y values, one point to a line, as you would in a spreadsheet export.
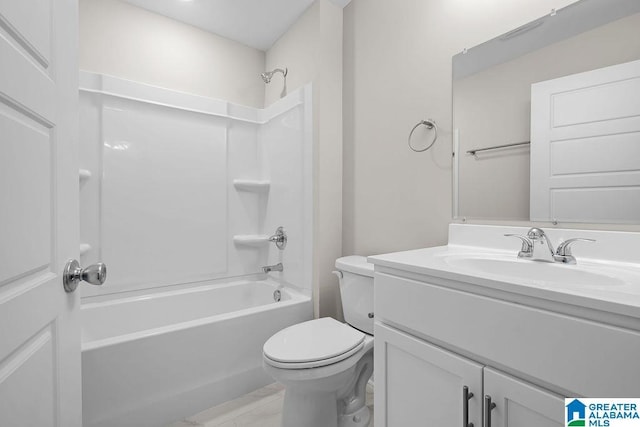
418	384
39	321
585	146
519	404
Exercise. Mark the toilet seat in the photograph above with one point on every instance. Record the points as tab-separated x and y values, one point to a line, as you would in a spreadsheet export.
312	344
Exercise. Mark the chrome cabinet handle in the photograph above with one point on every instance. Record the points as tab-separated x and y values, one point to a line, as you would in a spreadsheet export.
488	407
73	274
466	396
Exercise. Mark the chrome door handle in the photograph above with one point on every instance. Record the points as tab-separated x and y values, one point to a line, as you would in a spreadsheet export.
73	274
488	407
466	396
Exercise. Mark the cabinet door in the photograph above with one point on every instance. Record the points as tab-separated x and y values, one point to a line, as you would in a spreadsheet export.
419	384
519	404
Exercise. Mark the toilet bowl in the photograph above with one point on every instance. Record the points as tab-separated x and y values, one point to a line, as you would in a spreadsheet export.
325	364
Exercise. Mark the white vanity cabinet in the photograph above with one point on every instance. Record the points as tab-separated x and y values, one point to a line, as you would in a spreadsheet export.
520	404
418	384
435	335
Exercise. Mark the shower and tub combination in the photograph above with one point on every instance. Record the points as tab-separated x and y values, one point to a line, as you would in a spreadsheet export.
202	210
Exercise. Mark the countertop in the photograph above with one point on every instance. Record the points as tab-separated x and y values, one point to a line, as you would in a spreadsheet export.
619	292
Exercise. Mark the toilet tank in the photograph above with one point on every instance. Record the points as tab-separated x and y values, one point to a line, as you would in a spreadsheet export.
356	290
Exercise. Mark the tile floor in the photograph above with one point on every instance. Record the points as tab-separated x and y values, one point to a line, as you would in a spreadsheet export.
260	408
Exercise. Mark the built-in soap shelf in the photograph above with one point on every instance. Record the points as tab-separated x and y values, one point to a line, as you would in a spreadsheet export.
84	174
252	185
84	248
255	240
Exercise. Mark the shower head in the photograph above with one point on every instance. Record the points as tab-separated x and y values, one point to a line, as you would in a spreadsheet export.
268	75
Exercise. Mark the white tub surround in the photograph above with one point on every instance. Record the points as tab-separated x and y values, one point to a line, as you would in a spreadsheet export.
522	334
188	350
180	323
174	177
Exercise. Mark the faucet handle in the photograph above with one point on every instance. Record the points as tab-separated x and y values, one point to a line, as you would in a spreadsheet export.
564	248
280	238
526	251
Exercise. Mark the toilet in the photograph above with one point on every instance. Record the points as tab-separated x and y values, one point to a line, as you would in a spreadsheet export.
325	364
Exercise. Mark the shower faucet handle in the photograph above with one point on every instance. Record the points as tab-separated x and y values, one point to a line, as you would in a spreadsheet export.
280	238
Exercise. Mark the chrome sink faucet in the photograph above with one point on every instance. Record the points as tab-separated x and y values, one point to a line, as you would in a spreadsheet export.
537	235
562	254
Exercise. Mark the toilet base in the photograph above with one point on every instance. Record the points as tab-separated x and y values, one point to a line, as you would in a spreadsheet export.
360	418
319	410
336	400
309	409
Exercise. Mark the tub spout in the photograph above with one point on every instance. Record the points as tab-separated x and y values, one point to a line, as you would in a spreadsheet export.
270	268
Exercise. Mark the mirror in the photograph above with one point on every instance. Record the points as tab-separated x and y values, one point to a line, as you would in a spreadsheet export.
546	119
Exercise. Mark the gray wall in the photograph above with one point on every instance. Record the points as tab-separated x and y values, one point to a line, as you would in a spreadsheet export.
125	41
397	71
312	50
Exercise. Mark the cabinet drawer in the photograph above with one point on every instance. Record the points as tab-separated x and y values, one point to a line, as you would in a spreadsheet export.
577	355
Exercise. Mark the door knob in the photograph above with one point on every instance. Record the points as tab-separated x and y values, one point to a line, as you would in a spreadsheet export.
73	274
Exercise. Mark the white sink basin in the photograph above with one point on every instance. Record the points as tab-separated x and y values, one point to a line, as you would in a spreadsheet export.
479	259
536	271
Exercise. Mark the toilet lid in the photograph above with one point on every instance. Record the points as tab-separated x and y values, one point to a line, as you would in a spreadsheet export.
312	341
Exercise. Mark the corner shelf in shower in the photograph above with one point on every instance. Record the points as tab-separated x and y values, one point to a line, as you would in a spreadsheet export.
84	174
251	185
253	240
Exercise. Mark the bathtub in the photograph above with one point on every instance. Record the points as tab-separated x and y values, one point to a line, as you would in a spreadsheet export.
152	359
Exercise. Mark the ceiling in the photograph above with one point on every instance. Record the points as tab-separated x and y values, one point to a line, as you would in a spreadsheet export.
255	23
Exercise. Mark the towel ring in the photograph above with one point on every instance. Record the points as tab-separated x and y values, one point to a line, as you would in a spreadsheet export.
430	124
